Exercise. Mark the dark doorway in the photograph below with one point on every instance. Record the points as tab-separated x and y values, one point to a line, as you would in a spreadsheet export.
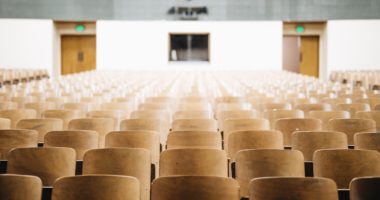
189	47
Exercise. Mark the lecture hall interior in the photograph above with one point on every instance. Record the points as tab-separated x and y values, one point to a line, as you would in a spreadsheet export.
190	99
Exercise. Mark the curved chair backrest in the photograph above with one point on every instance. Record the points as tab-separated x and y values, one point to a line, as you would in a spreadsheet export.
5	123
16	138
18	114
39	107
115	115
365	188
146	124
197	162
235	114
266	163
99	187
241	140
194	139
232	125
353	108
326	116
149	140
65	115
120	161
352	126
369	141
238	124
123	108
48	164
194	125
294	188
195	187
193	114
307	107
375	115
344	165
274	106
274	115
42	126
80	140
101	125
189	106
289	126
310	141
20	187
82	107
163	115
8	105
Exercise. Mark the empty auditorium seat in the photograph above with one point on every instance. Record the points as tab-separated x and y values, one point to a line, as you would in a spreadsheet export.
274	115
256	139
310	141
195	187
353	108
194	139
65	115
121	161
193	162
16	138
325	116
344	165
306	108
352	126
79	140
194	125
101	125
20	187
275	188
290	125
16	115
365	188
367	140
5	123
42	126
252	164
192	114
241	124
100	187
375	115
235	114
149	140
49	164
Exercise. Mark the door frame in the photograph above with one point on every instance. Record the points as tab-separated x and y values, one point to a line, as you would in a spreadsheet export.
312	29
67	28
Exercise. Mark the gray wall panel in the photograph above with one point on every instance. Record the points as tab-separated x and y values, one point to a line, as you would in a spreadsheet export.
218	9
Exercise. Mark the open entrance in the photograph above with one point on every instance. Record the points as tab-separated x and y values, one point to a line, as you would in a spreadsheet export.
302	47
189	47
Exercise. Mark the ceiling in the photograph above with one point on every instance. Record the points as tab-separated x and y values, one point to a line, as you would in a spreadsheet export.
284	10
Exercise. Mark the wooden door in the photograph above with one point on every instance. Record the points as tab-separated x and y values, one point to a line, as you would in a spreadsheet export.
309	63
291	53
78	53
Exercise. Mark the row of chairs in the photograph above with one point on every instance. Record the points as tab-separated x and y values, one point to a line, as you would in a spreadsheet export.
51	164
18	187
11	76
367	79
208	116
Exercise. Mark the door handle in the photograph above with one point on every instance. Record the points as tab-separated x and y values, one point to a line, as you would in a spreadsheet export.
80	56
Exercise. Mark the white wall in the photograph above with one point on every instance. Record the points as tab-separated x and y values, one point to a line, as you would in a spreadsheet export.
26	43
233	45
353	45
